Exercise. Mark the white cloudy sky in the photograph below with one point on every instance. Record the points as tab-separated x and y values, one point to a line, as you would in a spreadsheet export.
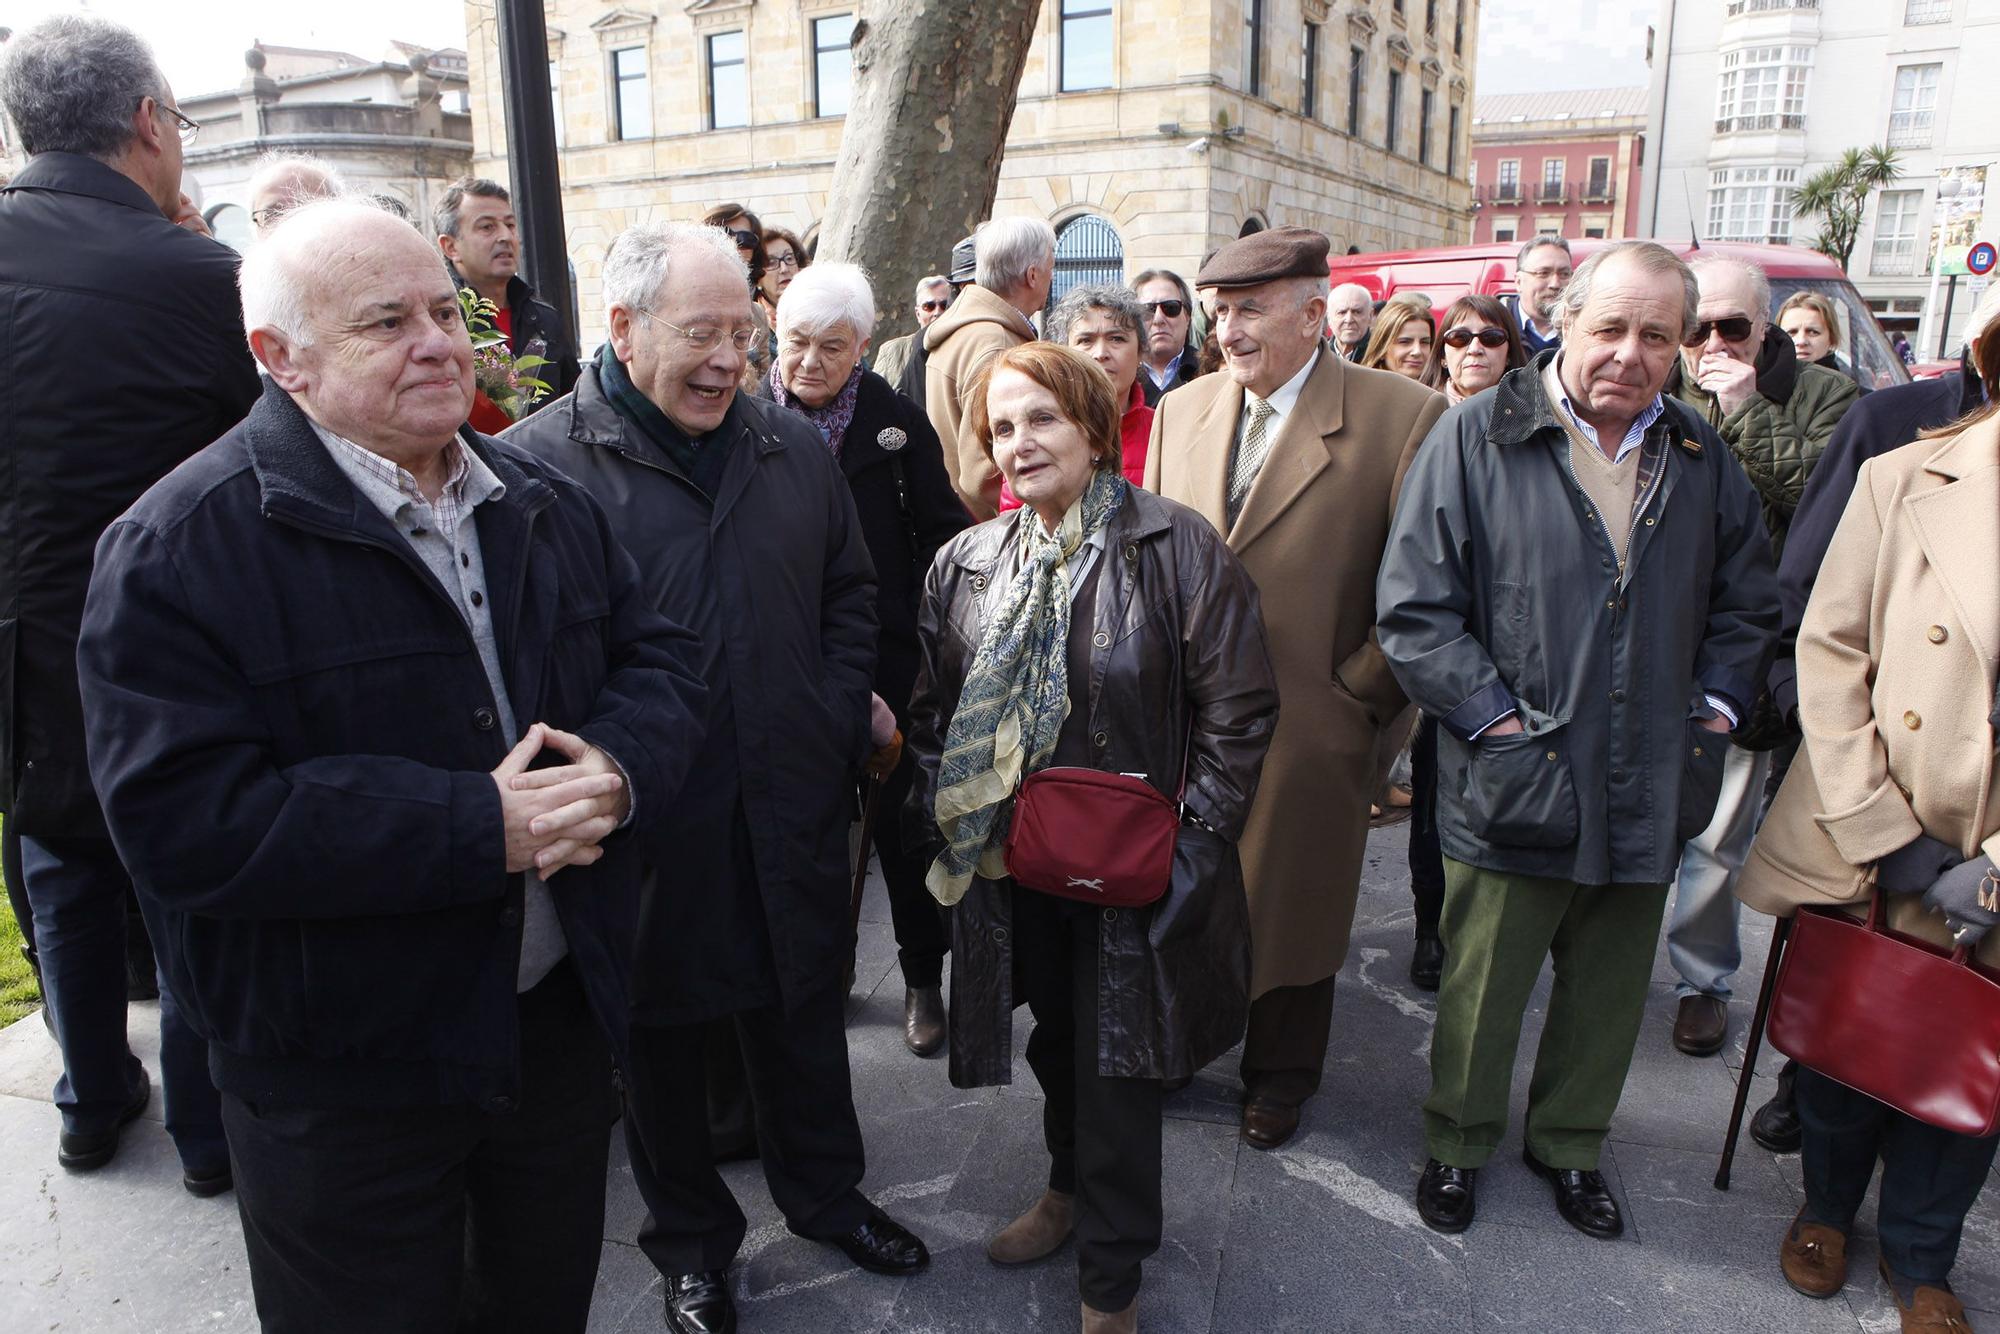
1524	44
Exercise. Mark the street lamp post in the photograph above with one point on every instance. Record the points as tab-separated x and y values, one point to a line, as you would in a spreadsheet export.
534	169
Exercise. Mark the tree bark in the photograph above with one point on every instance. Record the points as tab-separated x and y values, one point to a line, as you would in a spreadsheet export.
934	89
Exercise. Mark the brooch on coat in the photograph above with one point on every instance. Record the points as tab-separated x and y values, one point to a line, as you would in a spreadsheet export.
892	438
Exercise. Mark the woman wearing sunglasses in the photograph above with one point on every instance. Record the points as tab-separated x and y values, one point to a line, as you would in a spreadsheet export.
1404	332
746	231
1480	344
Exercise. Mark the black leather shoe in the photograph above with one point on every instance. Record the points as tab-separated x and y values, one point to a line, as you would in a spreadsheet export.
207	1185
88	1151
700	1303
1445	1199
883	1246
1776	1124
1426	963
923	1020
1701	1025
1582	1198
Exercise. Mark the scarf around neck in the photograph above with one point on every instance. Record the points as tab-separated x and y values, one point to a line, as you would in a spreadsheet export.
1016	694
833	419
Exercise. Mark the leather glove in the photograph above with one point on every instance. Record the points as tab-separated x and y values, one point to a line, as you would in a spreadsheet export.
883	761
1915	867
1969	897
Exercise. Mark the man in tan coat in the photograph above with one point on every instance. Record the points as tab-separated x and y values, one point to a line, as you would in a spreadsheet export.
1295	456
1016	263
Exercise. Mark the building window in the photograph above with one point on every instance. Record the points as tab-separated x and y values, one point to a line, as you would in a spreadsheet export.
1395	108
1458	27
1598	186
1895	253
1914	107
1751	204
833	64
1594	232
728	82
1552	181
1309	75
555	101
1505	231
1509	184
1253	47
1430	18
1087	36
1426	103
1763	88
1357	62
1088	251
1451	144
635	93
1926	11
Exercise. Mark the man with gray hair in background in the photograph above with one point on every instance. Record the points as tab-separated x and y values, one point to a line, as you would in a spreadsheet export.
1349	313
1542	269
284	181
1015	268
125	356
744	528
933	298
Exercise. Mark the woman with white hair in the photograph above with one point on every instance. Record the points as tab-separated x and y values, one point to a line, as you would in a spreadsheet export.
902	493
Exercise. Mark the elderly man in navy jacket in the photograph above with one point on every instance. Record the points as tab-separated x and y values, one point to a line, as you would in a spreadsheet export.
368	700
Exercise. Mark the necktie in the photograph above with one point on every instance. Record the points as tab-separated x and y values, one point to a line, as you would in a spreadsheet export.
1251	451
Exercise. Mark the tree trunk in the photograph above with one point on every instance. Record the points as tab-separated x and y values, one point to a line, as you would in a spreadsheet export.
934	89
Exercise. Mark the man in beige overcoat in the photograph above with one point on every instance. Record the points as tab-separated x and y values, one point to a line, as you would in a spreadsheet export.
1295	456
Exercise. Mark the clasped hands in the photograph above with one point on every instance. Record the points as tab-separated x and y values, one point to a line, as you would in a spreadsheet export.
558	816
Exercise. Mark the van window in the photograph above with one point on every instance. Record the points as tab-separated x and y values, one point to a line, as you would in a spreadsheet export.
1862	344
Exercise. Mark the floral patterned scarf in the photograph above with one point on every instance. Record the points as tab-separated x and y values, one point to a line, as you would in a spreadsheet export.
1016	694
833	419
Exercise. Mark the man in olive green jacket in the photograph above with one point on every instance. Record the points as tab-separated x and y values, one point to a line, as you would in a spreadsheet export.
1777	414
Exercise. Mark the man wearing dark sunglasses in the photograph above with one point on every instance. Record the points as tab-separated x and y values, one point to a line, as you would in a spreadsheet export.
1168	359
1741	372
933	297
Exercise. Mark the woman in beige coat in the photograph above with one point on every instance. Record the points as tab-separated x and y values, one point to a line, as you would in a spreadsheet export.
1894	792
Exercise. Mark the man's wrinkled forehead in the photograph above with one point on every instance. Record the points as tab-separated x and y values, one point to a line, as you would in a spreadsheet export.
1726	291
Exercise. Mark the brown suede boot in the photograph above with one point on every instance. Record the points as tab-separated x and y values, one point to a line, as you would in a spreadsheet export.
1814	1257
1111	1322
1036	1234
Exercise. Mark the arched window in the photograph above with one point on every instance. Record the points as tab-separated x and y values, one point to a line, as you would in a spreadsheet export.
1251	226
231	225
1088	252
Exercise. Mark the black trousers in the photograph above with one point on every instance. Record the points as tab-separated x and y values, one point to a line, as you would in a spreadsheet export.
1426	855
1284	1047
921	939
1102	1132
428	1219
807	1133
1930	1178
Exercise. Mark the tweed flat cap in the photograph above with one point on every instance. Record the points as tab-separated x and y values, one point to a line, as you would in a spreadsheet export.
1266	256
963	265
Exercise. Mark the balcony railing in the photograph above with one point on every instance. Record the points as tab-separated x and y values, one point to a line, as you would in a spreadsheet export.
1766	6
1551	194
1597	193
1749	124
1926	11
1894	259
1910	129
1501	193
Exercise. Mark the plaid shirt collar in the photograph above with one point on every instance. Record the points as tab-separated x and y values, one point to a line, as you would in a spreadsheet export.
468	481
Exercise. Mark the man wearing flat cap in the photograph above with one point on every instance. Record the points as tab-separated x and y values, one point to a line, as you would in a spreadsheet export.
1295	456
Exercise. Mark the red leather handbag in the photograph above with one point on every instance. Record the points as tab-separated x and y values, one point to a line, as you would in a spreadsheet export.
1093	836
1909	1023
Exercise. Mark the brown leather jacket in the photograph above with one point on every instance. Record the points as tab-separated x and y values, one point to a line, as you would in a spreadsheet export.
1178	654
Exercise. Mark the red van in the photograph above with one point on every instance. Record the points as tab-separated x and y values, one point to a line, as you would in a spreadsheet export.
1446	273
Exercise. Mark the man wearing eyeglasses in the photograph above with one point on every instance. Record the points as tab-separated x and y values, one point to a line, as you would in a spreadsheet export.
1541	271
1170	358
744	529
933	296
127	356
1777	414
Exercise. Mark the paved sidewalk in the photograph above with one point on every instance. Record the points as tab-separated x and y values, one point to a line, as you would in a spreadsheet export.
1319	1236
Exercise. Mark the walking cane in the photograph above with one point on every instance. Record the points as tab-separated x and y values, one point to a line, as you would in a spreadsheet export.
868	801
1779	935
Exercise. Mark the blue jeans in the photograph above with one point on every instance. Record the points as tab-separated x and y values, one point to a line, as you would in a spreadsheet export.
1701	932
77	888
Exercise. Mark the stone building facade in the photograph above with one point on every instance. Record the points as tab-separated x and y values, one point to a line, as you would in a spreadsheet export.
1148	132
395	126
1562	162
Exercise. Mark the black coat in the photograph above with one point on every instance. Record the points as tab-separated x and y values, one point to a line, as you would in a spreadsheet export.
294	738
123	354
1188	369
904	499
1886	420
776	579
